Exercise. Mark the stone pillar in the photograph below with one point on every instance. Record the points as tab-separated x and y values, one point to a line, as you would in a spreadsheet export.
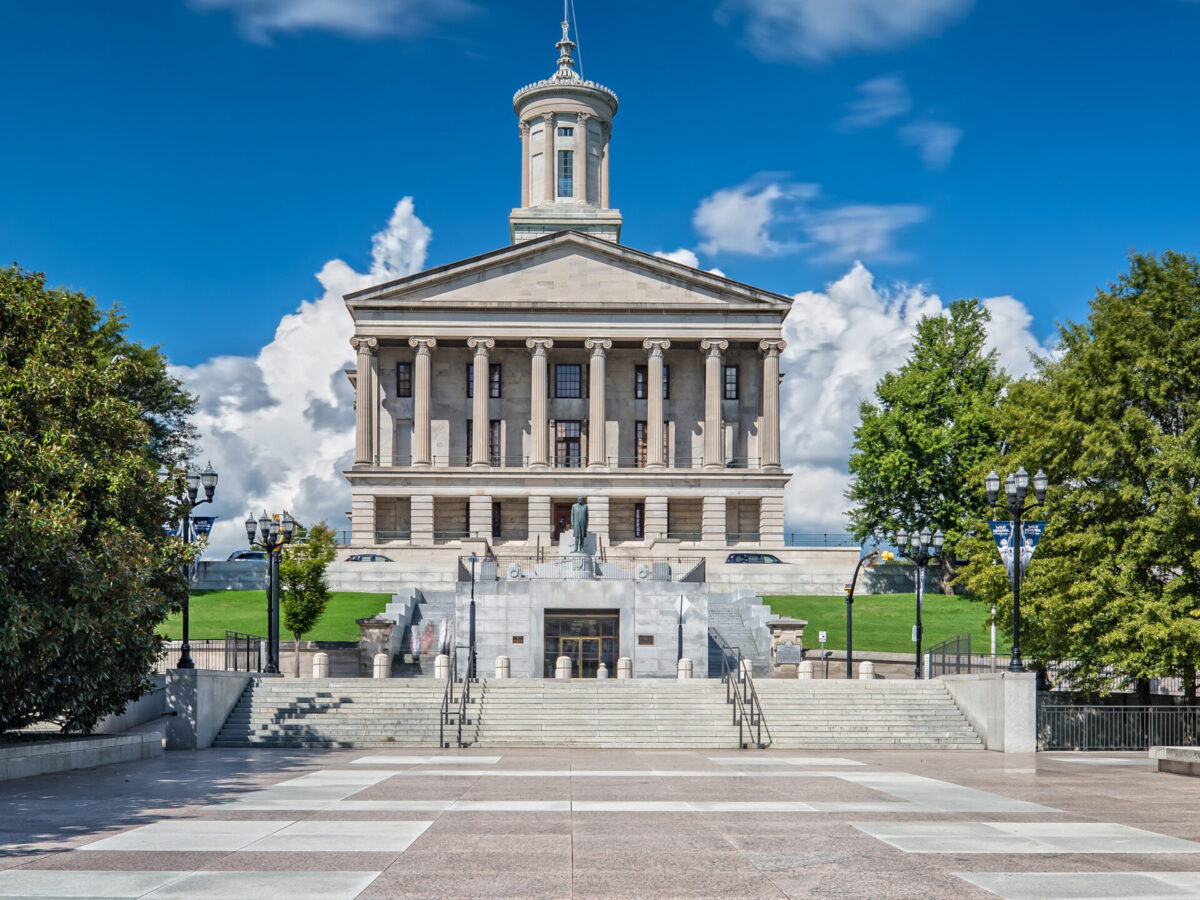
539	521
712	520
382	666
655	348
479	515
804	671
714	439
684	669
605	136
624	667
581	158
421	403
421	520
770	519
562	668
769	437
538	437
503	667
551	166
597	449
479	406
656	518
524	164
362	520
598	517
320	665
364	401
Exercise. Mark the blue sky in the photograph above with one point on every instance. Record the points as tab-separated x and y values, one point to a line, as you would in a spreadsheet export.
197	161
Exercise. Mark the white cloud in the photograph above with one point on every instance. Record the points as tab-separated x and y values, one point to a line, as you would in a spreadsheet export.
862	230
259	20
841	342
816	30
879	100
686	257
279	427
935	141
738	219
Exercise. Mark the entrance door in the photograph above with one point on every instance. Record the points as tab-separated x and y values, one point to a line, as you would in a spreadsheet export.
587	637
560	520
584	653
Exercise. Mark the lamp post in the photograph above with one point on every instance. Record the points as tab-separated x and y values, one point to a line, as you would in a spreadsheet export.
1016	488
871	560
193	481
273	533
920	548
471	625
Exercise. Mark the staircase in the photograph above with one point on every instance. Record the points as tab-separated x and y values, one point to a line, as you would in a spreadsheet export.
864	715
429	612
726	620
335	712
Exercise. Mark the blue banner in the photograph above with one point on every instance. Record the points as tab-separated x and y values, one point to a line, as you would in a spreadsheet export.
1002	533
202	525
1031	533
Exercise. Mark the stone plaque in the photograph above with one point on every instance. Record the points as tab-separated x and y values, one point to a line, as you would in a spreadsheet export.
788	654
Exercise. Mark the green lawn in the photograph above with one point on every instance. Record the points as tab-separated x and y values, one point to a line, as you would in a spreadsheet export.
884	622
212	612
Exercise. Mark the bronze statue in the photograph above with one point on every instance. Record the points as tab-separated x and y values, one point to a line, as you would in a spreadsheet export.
579	523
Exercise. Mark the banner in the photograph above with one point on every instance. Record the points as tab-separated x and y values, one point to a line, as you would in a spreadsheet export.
202	525
1002	533
1031	533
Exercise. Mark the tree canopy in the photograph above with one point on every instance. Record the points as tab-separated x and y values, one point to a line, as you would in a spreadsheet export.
87	571
934	420
303	593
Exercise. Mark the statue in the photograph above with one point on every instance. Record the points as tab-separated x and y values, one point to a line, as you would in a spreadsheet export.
579	523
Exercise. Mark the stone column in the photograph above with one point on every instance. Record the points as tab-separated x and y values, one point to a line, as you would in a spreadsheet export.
605	136
421	520
548	153
656	518
524	165
597	446
364	402
479	517
712	520
421	404
538	439
770	520
581	157
656	348
539	522
479	406
714	450
768	445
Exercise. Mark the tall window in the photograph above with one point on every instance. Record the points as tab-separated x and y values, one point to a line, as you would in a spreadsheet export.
568	380
640	382
493	380
566	173
403	379
566	131
496	518
731	382
639	520
641	435
567	444
493	441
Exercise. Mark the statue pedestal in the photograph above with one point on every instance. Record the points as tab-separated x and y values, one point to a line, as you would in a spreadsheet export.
578	566
566	545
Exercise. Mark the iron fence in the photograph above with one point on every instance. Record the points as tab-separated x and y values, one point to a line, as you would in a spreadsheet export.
819	539
950	657
243	652
1116	727
236	652
526	568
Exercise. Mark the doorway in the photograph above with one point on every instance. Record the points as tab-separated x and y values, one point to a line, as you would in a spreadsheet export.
587	638
560	520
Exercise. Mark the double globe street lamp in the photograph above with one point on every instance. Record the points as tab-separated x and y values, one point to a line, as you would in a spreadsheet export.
920	548
273	533
193	481
1016	489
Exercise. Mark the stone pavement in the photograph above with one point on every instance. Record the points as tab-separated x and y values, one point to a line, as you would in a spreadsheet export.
604	824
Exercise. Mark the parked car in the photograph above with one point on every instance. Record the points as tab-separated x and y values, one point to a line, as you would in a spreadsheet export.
369	557
752	558
257	555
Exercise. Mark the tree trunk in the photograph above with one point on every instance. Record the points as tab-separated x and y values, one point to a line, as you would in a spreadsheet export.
1189	683
946	572
296	646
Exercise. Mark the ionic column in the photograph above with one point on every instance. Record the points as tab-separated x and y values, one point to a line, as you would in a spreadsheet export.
479	405
364	401
654	402
581	158
714	456
769	443
605	136
597	451
421	405
524	165
538	439
548	152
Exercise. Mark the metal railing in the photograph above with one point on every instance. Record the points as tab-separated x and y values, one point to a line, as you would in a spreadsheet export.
243	652
549	567
383	537
950	657
1116	727
738	537
684	535
236	652
741	694
819	539
454	712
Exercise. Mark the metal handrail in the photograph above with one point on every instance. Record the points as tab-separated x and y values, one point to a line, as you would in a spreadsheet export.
740	693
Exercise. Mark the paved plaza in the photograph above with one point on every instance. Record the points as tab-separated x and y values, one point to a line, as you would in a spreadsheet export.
604	824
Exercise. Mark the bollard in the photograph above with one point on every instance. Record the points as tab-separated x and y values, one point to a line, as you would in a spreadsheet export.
441	667
805	669
562	668
683	669
866	670
624	667
745	668
503	667
602	671
383	665
320	665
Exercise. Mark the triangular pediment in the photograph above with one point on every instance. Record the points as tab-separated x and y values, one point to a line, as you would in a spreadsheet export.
568	269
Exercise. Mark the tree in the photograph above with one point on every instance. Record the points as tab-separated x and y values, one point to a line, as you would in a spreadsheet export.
935	420
87	571
303	593
1115	422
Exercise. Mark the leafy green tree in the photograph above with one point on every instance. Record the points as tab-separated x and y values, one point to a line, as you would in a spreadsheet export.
1115	422
934	420
87	571
303	593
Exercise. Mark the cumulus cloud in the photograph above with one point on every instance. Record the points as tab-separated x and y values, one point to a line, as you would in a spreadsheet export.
862	230
879	100
686	257
738	219
935	141
816	30
840	343
279	426
260	20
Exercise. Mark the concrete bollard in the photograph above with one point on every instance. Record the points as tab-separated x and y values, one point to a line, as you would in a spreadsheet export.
562	668
503	667
320	665
602	671
866	670
383	665
805	670
624	667
441	667
745	667
684	669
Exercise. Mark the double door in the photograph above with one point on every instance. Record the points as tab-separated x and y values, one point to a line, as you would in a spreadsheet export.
586	640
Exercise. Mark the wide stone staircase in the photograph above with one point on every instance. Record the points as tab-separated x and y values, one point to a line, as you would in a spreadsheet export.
864	715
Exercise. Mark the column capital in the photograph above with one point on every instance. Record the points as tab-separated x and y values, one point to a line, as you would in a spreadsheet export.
422	344
714	346
548	118
656	346
582	118
364	344
598	346
481	345
772	348
539	346
523	128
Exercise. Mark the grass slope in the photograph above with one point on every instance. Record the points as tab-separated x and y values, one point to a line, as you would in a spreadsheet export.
212	612
884	622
